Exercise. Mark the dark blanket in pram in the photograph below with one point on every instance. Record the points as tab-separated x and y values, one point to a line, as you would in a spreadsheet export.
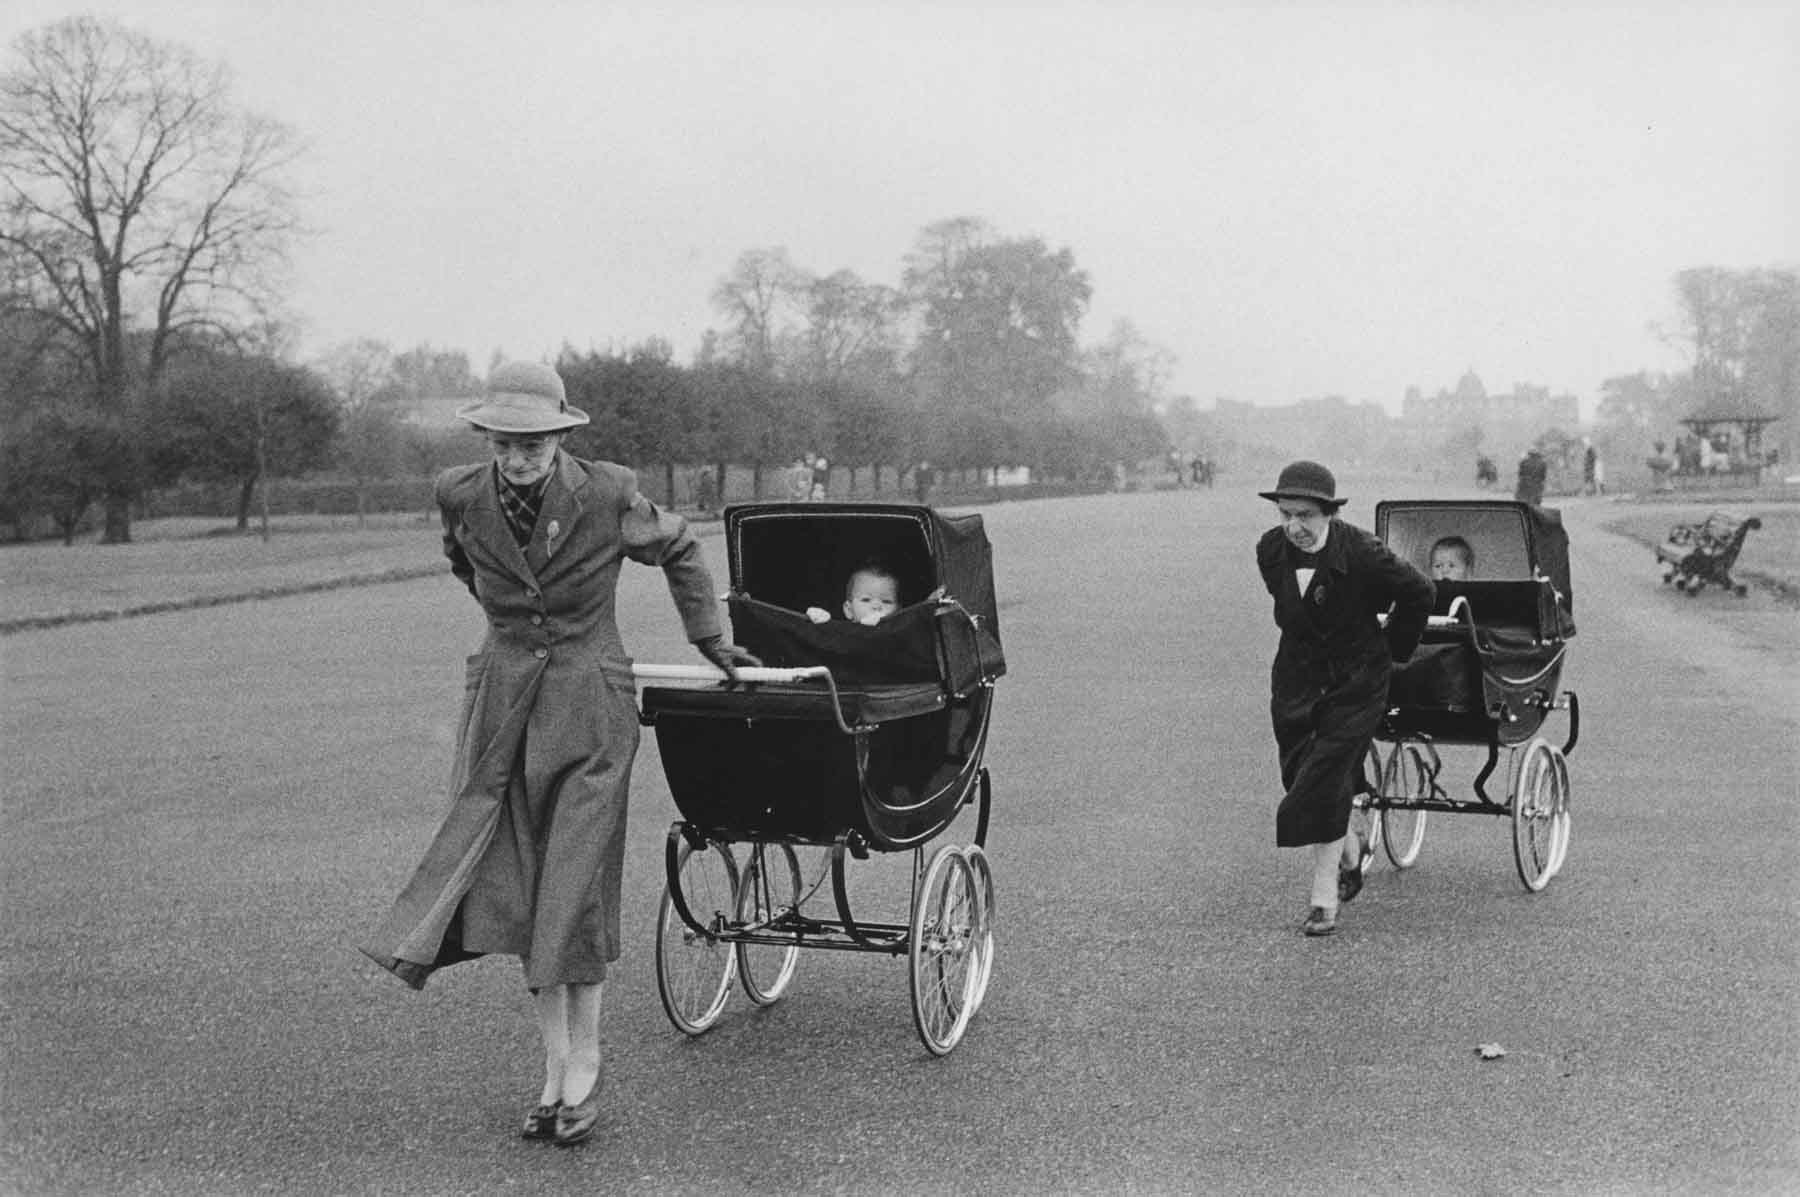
1439	677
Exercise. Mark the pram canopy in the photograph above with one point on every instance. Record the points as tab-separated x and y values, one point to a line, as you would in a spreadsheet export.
774	760
1489	675
787	557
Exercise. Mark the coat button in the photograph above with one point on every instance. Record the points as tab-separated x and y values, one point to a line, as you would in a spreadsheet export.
537	619
540	653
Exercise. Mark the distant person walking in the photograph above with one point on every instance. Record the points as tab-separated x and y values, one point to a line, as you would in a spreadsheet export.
1533	472
527	861
924	479
1331	582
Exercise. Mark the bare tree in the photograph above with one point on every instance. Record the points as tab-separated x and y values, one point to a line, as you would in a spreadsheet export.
756	297
361	373
139	205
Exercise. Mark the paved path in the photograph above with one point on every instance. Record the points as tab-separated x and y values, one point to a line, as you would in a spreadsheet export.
205	808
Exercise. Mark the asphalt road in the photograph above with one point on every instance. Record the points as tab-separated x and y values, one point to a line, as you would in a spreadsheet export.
204	810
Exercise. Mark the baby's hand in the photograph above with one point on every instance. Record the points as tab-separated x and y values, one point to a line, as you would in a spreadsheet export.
818	615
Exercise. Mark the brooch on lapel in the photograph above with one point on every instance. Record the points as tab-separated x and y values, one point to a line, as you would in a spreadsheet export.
551	531
1319	595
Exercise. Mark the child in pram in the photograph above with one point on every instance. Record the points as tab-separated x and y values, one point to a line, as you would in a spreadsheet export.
870	596
1452	560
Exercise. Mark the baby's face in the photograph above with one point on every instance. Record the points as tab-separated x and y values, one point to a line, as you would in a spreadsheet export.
1447	565
872	598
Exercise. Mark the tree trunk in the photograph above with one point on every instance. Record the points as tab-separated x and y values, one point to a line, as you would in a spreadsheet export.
118	518
669	482
246	492
262	475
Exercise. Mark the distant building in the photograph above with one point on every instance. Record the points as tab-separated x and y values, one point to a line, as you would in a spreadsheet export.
1331	428
1507	424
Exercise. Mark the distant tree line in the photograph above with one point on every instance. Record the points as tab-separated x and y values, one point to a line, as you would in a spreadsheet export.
145	223
1740	330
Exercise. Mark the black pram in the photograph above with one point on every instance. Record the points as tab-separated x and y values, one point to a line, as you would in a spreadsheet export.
1487	672
852	738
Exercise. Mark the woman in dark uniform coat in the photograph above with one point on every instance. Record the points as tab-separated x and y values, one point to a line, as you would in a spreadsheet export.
1329	684
527	861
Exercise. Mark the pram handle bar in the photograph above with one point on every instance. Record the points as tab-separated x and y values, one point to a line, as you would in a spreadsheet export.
712	673
1459	615
749	675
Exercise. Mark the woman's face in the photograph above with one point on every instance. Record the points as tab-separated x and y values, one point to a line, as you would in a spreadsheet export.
1303	522
524	459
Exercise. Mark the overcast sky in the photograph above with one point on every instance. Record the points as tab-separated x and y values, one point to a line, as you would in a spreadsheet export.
1332	198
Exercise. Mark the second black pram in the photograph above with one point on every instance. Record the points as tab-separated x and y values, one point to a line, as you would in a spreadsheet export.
1487	673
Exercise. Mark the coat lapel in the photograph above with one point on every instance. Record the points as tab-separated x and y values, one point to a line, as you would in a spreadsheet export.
489	526
564	502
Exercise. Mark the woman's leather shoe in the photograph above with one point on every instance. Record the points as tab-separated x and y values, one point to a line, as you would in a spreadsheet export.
1319	921
541	1122
575	1123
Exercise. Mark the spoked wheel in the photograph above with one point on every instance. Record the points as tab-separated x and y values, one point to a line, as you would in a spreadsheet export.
946	920
1408	779
768	888
1365	821
1540	828
694	968
984	939
1564	823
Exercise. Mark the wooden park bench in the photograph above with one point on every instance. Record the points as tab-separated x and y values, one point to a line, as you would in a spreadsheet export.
1698	555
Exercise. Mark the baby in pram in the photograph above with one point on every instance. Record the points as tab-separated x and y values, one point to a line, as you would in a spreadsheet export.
871	594
1452	560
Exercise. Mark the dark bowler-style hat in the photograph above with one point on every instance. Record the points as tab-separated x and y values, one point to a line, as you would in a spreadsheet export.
1306	480
525	398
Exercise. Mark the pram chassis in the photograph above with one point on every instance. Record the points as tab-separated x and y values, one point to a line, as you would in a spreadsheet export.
1407	782
947	938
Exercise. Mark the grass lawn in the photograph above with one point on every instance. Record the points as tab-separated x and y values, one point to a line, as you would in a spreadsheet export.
193	563
175	563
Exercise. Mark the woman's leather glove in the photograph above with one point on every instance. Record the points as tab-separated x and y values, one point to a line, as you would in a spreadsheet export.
726	655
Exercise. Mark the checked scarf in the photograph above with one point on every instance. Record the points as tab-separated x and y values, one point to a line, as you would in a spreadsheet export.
521	506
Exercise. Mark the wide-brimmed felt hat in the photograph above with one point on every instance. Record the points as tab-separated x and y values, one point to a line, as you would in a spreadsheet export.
525	398
1306	480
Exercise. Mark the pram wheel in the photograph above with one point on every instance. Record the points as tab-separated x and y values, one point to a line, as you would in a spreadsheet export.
1365	820
1408	778
768	890
984	939
946	963
1540	814
693	965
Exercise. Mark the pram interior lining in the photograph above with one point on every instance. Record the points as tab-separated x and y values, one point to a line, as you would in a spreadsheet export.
1480	679
802	560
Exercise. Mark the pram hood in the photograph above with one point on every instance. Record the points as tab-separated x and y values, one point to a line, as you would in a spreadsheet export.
786	557
1512	540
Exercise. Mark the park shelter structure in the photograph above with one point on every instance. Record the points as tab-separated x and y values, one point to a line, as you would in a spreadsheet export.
1735	424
